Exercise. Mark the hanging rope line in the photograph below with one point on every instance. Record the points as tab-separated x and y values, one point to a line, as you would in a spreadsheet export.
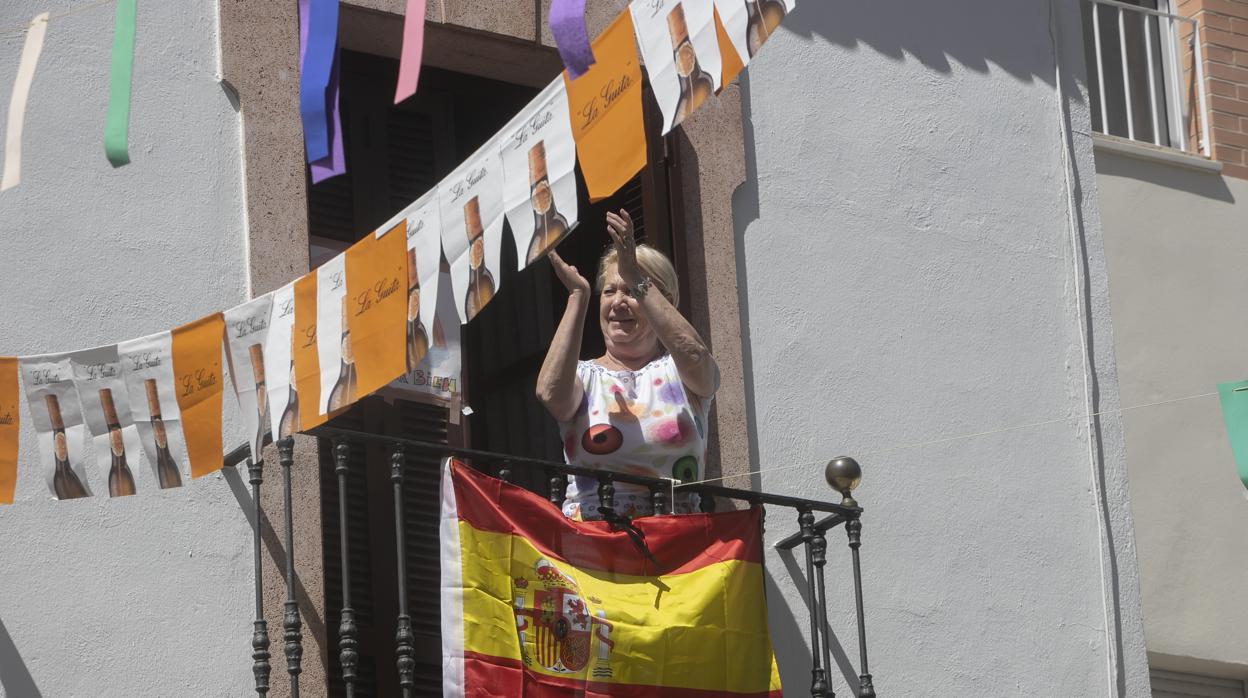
959	437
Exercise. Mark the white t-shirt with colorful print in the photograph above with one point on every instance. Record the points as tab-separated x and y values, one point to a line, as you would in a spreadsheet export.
641	422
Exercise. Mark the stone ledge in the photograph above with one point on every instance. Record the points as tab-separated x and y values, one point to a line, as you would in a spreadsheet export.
1153	153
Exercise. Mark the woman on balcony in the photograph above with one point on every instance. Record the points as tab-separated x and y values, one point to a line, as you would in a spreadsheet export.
641	407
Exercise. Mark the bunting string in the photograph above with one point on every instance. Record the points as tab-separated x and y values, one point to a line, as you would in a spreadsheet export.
858	455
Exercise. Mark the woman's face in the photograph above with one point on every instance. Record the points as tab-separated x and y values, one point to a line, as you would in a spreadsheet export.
624	329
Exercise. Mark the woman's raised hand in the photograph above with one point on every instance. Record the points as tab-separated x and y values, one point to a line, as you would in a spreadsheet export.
620	227
571	278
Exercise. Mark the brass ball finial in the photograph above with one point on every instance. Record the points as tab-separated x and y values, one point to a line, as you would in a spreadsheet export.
844	475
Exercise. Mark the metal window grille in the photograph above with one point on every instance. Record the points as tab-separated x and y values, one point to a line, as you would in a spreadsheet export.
1146	73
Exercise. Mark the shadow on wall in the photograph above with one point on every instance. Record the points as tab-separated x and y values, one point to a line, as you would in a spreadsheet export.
14	677
794	659
1209	185
965	31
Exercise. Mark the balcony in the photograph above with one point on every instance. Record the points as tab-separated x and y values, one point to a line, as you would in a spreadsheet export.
411	636
1146	74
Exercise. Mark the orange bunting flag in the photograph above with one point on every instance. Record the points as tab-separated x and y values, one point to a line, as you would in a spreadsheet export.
198	386
535	604
732	63
306	358
605	105
9	423
377	307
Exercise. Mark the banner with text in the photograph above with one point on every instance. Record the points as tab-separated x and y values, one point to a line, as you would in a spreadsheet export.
422	230
438	372
56	415
246	329
377	317
472	228
147	368
106	412
681	51
539	179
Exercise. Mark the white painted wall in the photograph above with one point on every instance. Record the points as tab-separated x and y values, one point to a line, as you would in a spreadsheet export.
1177	244
148	595
909	275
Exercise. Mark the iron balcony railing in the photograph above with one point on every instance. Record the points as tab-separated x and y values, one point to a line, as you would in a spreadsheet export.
1143	92
810	533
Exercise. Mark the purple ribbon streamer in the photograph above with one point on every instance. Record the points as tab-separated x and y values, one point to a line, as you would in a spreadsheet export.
567	24
316	71
335	163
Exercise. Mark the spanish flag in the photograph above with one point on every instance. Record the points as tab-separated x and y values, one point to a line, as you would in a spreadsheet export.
536	605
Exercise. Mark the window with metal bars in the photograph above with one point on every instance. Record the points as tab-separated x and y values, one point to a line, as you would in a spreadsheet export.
394	155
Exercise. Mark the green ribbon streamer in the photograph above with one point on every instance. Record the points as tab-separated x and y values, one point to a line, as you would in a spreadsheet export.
1234	398
116	129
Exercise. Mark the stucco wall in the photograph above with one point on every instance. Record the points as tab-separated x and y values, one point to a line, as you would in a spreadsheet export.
147	595
1177	242
910	256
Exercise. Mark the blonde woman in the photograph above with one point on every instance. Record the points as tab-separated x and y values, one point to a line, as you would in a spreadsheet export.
641	407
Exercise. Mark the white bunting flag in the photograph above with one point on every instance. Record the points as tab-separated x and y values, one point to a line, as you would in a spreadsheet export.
246	327
147	367
56	415
422	221
681	52
539	180
279	364
471	199
332	343
106	412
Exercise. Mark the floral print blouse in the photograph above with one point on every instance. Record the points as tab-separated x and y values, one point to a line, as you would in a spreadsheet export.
640	422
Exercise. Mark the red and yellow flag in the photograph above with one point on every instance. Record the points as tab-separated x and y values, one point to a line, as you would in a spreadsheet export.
534	604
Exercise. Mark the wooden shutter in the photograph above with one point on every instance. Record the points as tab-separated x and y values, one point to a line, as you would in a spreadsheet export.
394	155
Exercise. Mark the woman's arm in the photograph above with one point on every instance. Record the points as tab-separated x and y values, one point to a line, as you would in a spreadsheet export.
558	389
697	368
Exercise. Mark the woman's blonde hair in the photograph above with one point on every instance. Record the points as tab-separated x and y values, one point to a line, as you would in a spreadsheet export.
653	263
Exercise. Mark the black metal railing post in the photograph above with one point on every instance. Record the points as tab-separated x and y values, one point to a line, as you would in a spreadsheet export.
853	529
404	640
290	621
558	483
658	500
348	643
819	555
606	491
260	630
818	679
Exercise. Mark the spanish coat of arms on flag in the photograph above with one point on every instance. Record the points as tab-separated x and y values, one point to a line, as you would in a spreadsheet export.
535	604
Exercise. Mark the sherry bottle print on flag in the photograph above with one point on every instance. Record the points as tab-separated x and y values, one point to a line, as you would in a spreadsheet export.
246	328
681	52
422	229
539	182
749	23
333	337
471	201
106	411
151	388
56	414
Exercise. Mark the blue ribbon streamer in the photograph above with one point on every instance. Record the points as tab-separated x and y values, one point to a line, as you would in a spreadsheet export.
318	63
